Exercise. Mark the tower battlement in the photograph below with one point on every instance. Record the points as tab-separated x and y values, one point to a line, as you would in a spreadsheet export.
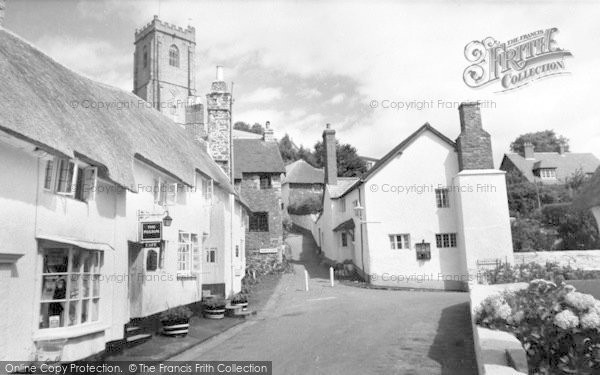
156	24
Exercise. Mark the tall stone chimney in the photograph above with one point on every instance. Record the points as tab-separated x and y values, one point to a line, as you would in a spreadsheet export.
528	150
474	143
562	149
2	9
330	155
219	132
268	133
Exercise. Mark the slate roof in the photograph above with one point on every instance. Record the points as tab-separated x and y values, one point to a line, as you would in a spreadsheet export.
256	156
343	186
590	194
565	164
42	104
300	172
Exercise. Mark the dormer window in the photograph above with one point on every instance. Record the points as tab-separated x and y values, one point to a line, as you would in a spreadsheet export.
70	178
548	173
174	56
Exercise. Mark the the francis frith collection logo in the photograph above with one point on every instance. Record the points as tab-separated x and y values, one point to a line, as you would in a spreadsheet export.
516	62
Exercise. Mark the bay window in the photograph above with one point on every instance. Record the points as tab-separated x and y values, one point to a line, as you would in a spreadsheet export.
70	286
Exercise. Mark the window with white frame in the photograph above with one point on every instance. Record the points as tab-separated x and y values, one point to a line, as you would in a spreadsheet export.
445	240
399	241
441	198
344	239
548	173
165	193
70	178
211	255
70	286
342	205
207	189
188	253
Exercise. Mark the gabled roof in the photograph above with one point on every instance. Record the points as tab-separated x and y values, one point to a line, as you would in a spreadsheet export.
402	146
256	156
590	194
565	164
343	186
43	103
300	172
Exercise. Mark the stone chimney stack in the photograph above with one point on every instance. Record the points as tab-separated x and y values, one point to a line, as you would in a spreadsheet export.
2	9
561	149
218	124
528	150
268	133
474	143
329	145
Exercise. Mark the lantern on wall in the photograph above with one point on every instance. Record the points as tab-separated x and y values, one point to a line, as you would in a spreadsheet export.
423	251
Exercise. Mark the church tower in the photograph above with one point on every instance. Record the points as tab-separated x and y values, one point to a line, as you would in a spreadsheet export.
163	67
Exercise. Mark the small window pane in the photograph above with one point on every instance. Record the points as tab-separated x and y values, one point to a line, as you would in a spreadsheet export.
84	310
73	314
95	309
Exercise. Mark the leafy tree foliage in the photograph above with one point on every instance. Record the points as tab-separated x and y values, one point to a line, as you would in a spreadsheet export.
543	141
256	128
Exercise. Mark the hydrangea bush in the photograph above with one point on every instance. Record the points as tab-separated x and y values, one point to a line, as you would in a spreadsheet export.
558	326
525	272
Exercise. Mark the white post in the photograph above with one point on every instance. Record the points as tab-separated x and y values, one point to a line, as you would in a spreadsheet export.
331	276
306	280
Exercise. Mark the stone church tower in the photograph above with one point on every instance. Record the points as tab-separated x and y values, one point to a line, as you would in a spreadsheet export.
163	68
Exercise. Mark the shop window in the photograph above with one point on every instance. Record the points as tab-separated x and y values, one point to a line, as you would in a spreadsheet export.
70	287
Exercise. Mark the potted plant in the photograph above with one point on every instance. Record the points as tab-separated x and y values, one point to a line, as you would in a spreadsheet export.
176	320
240	299
214	308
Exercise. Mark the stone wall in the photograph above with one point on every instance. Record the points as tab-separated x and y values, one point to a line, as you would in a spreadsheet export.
584	259
263	200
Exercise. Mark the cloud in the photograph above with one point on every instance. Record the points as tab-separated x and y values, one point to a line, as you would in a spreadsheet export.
337	99
262	95
93	58
309	93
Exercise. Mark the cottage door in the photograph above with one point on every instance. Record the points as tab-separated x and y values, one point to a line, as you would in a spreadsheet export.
135	279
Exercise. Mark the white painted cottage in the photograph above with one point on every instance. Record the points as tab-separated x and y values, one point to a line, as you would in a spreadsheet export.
108	214
427	215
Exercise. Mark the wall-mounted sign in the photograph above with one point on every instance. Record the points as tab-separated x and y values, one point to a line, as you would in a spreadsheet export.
151	231
268	251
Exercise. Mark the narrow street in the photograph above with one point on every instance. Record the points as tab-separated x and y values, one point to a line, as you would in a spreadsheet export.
349	330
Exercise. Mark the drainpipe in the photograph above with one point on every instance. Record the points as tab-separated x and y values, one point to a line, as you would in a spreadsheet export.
362	256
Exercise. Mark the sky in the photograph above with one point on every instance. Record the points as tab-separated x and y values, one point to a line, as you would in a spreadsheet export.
301	65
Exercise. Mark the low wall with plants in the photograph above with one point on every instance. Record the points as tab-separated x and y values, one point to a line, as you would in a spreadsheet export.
558	327
584	259
525	272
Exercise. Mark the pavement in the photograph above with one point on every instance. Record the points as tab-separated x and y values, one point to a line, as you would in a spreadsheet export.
348	330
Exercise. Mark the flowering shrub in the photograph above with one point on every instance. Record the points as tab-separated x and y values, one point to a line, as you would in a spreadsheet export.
525	272
558	327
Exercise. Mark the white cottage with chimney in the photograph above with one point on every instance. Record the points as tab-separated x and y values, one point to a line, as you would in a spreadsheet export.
424	216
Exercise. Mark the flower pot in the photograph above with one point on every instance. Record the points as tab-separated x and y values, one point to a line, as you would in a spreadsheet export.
175	327
244	305
214	313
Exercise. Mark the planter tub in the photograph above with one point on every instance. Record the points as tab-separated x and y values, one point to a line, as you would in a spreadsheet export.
176	327
214	314
244	305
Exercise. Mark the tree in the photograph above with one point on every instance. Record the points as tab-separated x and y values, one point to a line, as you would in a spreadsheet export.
287	149
349	164
543	141
244	126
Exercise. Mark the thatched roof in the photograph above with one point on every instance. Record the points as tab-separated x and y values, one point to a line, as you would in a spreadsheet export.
256	156
38	97
300	172
590	194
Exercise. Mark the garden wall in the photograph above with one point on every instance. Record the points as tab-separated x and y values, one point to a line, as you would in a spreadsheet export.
584	259
304	221
496	352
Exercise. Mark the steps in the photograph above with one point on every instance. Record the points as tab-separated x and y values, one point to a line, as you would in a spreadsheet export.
135	335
